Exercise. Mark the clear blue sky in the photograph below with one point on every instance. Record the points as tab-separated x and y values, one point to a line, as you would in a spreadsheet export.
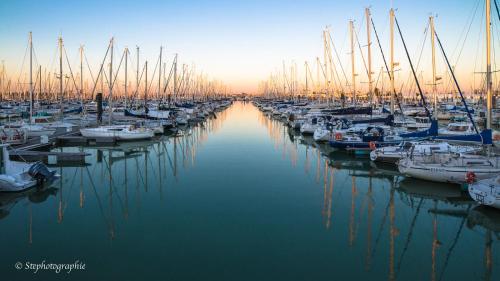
239	42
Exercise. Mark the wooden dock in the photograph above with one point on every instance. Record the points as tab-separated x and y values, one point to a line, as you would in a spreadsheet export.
81	140
48	157
36	150
36	143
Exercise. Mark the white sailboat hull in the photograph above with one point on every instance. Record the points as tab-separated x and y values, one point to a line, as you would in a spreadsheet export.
441	173
37	130
117	132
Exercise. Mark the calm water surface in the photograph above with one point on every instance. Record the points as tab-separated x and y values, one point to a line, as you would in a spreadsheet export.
242	198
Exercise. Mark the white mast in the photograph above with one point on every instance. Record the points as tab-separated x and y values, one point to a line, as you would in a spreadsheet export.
146	87
164	78
31	76
284	79
307	84
61	94
353	68
81	74
159	75
137	74
111	82
126	74
318	84
393	88
39	83
434	79
175	77
369	43
488	65
325	57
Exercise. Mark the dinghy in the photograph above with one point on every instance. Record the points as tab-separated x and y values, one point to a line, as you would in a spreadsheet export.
22	176
486	191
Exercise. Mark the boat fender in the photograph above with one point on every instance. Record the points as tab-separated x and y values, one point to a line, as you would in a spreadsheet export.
372	145
338	136
470	177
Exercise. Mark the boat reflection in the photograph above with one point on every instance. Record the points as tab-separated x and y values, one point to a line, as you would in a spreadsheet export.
119	177
419	189
9	200
365	182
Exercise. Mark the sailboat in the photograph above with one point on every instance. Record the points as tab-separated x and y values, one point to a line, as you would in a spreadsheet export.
120	132
34	130
460	167
163	118
392	154
449	167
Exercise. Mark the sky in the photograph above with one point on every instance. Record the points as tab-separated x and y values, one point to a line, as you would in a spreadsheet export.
242	42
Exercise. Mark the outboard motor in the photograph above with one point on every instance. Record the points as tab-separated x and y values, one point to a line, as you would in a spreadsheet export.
41	173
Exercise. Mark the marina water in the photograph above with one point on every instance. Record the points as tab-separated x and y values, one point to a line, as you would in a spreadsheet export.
240	197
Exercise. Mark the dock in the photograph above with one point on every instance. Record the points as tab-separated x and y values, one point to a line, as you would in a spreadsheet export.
72	140
48	157
35	143
37	150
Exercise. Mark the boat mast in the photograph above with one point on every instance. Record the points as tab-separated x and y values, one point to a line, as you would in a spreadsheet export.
488	65
318	84
369	43
146	88
434	92
353	69
81	74
2	90
284	79
110	105
137	75
39	83
61	76
325	58
126	74
175	78
307	84
31	76
159	75
393	88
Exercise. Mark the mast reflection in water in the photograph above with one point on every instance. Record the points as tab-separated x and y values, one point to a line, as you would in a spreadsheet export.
242	197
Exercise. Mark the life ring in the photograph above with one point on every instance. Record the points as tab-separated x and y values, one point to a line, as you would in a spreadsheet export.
470	177
338	136
372	145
